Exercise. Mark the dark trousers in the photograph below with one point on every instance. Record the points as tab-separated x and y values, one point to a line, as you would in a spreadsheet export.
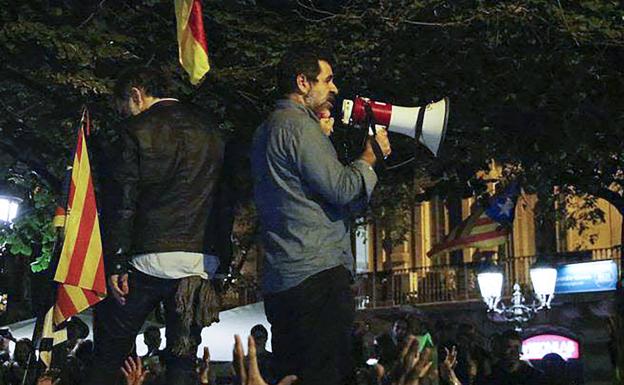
311	326
116	327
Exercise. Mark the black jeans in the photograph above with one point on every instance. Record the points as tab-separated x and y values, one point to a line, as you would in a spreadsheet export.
311	327
116	327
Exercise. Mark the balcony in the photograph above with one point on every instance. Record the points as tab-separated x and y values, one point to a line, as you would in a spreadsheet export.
449	283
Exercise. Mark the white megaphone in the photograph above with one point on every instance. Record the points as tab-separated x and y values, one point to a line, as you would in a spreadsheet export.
426	124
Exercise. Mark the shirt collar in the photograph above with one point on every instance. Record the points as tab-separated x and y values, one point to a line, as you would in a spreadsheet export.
289	104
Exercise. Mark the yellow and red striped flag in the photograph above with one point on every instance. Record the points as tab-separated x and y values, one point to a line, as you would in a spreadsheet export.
80	270
192	46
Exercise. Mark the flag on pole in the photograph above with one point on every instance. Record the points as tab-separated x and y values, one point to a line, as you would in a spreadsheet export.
80	271
192	46
79	275
80	279
485	227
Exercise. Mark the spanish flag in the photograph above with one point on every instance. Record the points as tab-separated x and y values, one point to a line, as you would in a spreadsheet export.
80	270
192	46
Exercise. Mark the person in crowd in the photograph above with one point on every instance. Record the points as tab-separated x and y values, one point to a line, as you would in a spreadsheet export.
49	377
154	359
417	325
510	369
556	371
5	338
152	341
473	361
77	331
78	363
388	345
246	367
166	234
23	365
363	343
305	198
5	354
266	360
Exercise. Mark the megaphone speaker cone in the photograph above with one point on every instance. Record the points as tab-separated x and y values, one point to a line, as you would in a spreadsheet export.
434	125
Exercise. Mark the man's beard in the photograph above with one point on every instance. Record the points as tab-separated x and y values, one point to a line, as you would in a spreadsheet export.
327	104
330	102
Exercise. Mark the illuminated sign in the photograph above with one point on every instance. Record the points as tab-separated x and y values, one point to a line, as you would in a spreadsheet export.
536	347
586	277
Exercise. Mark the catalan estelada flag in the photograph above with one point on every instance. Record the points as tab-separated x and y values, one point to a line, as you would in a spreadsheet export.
487	226
192	46
80	269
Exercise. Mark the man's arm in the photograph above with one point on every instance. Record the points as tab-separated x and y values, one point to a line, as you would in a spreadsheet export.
121	233
128	177
319	167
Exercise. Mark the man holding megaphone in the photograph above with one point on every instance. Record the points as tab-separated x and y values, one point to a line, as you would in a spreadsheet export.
305	198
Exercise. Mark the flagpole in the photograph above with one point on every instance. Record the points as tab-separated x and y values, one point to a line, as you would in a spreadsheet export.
38	331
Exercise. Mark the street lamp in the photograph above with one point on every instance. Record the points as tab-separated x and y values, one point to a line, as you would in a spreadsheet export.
8	208
490	281
8	211
543	277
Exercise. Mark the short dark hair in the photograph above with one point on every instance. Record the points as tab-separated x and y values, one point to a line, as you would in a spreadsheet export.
510	335
153	82
296	62
152	332
259	331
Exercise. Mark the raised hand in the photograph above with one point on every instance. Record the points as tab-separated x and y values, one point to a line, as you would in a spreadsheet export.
204	369
248	372
447	371
119	287
133	371
412	365
327	122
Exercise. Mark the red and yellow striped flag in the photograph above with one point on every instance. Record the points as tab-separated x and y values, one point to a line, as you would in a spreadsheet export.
80	270
192	46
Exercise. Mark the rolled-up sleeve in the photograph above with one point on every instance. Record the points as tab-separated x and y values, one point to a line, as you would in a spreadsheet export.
368	174
319	167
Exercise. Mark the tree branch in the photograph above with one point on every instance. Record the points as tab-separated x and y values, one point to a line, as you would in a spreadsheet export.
28	152
92	15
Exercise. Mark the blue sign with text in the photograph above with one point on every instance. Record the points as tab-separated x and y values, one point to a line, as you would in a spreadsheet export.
586	277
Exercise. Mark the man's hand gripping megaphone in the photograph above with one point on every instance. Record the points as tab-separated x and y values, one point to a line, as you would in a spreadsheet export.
377	139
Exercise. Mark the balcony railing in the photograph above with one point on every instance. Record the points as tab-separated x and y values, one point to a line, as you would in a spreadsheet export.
446	283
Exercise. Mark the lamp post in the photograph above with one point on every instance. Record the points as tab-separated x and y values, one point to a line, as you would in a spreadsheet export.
9	206
543	277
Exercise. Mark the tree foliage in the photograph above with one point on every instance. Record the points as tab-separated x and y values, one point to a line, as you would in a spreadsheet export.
536	84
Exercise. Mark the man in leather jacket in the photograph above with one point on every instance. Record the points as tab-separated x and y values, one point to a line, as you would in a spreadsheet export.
166	230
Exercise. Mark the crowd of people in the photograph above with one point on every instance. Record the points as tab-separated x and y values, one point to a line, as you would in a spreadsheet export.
496	360
412	352
257	368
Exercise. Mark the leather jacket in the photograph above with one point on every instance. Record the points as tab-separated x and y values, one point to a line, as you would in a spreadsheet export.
169	179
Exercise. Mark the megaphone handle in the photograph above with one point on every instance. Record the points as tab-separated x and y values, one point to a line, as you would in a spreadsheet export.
370	127
378	153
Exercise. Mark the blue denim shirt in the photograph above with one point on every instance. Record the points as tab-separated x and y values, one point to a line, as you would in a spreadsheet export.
304	197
